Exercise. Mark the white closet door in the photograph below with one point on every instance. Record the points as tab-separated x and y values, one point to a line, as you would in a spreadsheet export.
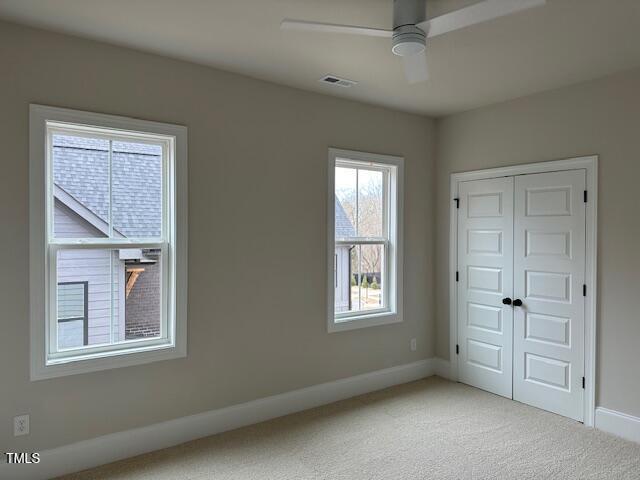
549	269
485	268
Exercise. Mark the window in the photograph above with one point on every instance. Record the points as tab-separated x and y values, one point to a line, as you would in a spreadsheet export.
73	314
108	241
365	247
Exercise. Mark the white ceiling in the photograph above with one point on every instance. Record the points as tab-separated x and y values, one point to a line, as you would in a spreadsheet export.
564	42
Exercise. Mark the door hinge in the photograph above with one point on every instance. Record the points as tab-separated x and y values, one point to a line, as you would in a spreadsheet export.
457	200
585	196
457	276
583	382
457	349
584	290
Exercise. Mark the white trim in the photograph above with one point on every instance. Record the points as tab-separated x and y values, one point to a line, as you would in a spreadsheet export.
176	256
395	213
441	367
617	423
588	163
116	446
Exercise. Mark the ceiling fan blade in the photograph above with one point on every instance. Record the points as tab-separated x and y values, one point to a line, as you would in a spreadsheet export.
415	67
476	13
290	24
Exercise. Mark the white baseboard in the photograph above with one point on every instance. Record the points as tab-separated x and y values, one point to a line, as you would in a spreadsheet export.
116	446
441	367
617	423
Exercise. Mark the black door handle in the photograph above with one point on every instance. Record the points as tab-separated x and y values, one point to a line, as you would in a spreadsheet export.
517	302
506	301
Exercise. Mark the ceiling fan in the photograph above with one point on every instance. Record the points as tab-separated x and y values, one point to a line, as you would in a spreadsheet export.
411	28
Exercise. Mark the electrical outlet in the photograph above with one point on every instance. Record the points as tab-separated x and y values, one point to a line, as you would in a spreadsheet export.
20	425
413	344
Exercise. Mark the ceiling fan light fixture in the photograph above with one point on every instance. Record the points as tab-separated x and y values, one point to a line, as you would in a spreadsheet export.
411	28
408	40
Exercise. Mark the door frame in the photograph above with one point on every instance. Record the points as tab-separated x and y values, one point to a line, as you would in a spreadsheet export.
588	163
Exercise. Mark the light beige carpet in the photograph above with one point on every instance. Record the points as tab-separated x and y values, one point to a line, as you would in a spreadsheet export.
430	429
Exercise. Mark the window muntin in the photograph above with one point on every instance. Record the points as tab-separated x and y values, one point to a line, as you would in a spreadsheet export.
365	232
109	224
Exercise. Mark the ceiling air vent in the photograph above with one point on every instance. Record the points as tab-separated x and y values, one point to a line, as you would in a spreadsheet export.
340	82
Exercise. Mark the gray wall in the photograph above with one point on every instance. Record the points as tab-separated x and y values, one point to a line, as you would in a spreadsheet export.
257	185
600	117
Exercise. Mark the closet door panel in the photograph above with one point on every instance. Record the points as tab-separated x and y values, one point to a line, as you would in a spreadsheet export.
549	268
485	276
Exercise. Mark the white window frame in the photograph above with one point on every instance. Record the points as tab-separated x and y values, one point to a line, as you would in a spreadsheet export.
393	259
46	361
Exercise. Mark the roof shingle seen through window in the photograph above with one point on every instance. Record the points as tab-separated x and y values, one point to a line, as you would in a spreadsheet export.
344	228
81	168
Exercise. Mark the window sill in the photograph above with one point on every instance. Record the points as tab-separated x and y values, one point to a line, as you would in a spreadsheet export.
61	367
363	321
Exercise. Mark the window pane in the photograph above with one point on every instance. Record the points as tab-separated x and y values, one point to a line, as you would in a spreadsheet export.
371	261
142	293
370	203
72	314
122	300
136	189
345	211
80	186
358	278
71	300
344	278
83	199
355	278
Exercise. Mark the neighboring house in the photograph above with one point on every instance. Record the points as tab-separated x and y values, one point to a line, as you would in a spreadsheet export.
95	284
342	264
